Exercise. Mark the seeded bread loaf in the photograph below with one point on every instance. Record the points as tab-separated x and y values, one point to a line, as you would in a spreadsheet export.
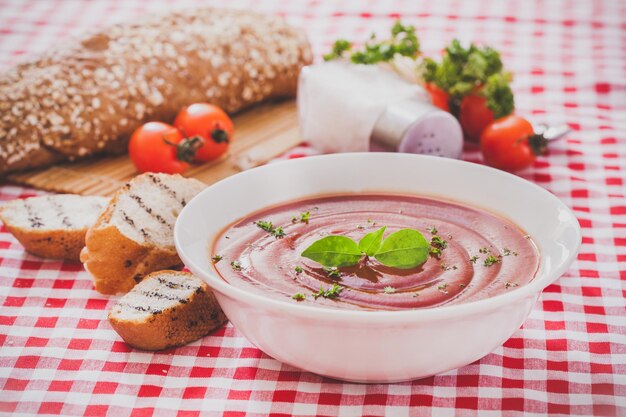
134	235
166	309
88	97
52	226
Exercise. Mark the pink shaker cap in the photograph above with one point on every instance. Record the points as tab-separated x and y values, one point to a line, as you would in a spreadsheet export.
416	126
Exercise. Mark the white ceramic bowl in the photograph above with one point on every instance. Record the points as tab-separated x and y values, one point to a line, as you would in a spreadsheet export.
384	346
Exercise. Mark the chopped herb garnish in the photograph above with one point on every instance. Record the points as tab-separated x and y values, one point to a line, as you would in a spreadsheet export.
332	272
389	290
434	252
403	42
298	296
416	294
332	292
483	250
473	259
447	267
526	236
339	47
437	245
432	230
302	218
491	260
217	258
462	285
267	226
442	287
277	232
298	269
236	265
371	223
507	252
510	284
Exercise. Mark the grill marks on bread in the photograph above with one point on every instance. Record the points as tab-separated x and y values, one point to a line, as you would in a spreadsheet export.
167	308
146	208
34	220
135	235
159	291
65	219
176	285
59	211
157	181
142	309
52	226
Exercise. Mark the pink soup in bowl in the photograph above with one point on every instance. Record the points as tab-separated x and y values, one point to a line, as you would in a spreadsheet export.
377	267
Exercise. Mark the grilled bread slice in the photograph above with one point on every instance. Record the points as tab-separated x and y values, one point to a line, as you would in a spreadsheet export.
52	226
134	235
166	309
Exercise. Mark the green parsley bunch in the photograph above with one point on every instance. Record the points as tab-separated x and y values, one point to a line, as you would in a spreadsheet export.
471	71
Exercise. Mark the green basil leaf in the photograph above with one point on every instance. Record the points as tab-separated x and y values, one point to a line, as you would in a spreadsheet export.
334	251
404	249
370	243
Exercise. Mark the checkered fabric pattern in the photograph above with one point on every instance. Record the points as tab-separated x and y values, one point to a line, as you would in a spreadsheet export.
58	354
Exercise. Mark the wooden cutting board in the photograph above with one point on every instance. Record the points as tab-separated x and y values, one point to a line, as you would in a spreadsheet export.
261	134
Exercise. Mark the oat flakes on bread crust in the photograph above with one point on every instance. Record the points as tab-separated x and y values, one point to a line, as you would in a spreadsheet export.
166	309
52	226
134	235
88	96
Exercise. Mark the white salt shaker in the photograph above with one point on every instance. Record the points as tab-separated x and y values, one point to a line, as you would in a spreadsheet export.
416	126
345	107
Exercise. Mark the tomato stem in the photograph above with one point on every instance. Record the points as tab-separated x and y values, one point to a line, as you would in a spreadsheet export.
187	148
219	135
538	143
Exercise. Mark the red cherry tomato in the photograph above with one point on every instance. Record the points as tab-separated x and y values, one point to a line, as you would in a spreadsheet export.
474	116
511	144
438	96
210	123
153	148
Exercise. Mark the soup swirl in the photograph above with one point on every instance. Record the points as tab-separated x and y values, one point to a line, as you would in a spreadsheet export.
484	254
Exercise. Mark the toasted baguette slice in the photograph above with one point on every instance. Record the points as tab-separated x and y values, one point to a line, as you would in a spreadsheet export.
52	226
134	235
168	308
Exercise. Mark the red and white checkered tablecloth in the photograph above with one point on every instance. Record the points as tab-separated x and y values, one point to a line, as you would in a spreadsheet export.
58	354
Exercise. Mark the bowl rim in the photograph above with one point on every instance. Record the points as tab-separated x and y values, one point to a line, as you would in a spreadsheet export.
533	288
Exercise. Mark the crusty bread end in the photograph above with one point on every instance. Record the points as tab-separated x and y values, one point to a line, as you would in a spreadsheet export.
134	235
52	226
58	244
168	308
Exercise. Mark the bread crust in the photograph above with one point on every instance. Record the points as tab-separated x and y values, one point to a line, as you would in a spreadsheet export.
89	96
174	326
59	244
118	263
61	241
115	261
